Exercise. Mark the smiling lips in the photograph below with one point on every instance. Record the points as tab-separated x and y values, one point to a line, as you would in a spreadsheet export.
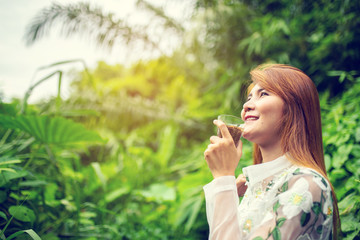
251	118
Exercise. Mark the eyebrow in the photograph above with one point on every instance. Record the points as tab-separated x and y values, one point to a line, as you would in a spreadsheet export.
258	91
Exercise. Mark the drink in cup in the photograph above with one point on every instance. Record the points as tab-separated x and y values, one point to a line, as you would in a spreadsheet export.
234	125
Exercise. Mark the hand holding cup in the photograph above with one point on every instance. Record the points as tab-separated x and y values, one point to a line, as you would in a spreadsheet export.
223	154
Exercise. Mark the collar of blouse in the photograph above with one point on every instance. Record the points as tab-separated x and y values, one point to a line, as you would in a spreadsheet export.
259	172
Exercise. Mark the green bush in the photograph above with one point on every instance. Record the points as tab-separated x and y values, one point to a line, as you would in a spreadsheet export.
341	135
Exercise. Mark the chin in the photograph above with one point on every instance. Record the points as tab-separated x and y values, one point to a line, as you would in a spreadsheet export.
247	136
252	136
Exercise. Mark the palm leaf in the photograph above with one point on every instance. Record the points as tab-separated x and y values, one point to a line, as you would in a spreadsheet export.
169	22
49	130
81	18
167	145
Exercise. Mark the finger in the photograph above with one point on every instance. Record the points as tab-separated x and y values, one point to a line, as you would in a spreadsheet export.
214	139
223	129
208	148
241	178
206	153
241	185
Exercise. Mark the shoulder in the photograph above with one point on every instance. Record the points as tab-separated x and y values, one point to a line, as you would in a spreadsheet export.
314	179
308	188
305	178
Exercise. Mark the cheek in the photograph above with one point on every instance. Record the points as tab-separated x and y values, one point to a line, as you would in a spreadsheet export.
243	114
273	109
278	112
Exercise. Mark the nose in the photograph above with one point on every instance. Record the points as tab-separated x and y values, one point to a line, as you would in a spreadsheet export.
249	105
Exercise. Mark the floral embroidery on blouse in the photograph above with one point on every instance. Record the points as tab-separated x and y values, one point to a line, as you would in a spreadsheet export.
248	225
297	199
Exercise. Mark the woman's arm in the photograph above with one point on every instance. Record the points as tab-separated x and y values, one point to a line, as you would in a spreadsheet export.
222	157
221	208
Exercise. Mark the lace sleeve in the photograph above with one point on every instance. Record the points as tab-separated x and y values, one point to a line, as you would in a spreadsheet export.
302	209
221	204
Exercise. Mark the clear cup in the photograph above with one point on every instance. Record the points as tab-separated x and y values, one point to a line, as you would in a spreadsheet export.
235	126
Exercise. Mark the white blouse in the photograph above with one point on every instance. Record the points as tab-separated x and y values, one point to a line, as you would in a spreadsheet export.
282	201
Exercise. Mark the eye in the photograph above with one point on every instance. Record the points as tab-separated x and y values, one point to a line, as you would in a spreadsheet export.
264	94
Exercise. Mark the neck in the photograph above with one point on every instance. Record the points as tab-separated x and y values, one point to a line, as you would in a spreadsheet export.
271	152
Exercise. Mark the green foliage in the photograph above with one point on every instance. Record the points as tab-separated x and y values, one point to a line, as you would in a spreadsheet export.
341	121
35	141
22	213
49	130
30	232
126	188
316	36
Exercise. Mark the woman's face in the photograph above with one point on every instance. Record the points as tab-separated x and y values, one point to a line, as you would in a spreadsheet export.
262	114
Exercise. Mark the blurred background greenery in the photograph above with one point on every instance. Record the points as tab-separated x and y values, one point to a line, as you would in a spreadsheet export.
122	156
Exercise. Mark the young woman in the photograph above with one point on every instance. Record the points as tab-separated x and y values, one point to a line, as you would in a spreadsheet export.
288	195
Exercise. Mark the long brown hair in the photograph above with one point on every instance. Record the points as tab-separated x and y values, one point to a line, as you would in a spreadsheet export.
301	135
